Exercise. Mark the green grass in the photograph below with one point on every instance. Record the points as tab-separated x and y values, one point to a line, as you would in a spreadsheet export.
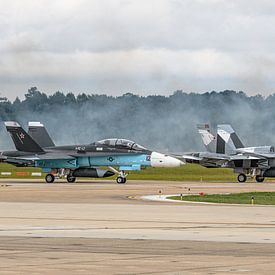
262	198
188	172
4	167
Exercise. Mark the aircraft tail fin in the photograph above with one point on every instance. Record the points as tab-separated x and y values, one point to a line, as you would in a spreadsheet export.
227	133
220	145
208	138
22	141
39	133
212	143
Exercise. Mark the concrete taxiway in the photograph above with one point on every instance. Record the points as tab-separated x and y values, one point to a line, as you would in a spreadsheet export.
106	228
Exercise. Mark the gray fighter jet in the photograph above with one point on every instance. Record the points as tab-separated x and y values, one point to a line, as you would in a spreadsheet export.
37	149
215	155
258	162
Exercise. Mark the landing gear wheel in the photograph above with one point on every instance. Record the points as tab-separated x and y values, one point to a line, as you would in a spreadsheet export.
259	179
242	178
120	180
71	179
49	178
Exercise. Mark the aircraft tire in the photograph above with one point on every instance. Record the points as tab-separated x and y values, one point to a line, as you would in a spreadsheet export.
120	180
259	178
49	178
242	178
71	179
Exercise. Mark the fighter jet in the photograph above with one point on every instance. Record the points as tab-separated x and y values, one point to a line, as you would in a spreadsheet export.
36	149
258	162
215	155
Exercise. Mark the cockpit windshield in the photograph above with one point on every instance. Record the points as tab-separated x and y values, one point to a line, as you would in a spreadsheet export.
138	147
108	142
120	143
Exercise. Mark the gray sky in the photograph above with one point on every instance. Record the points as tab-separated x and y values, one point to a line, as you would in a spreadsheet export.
141	46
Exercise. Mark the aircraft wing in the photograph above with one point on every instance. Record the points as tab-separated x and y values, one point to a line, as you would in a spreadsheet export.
54	156
44	157
259	156
30	159
186	157
213	162
205	159
245	156
102	154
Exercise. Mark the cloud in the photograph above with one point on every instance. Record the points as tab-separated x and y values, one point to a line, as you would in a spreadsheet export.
142	46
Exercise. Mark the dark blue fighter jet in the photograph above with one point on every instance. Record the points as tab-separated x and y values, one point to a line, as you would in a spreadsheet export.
36	149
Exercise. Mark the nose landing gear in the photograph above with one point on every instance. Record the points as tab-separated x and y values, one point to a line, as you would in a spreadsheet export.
121	177
120	180
49	178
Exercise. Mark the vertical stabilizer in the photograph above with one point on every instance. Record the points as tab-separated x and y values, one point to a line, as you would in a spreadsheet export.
227	133
208	138
220	145
39	133
22	141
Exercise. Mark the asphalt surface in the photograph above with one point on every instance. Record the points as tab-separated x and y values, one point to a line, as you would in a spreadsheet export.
106	228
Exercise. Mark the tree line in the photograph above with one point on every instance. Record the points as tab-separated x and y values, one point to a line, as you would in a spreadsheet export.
165	122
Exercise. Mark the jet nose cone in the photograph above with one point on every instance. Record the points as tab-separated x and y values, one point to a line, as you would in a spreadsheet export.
161	160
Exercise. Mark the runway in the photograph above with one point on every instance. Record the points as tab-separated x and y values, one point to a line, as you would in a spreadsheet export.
105	228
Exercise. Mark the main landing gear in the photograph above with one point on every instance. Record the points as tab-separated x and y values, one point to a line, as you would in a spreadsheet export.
49	178
242	178
71	179
259	178
61	173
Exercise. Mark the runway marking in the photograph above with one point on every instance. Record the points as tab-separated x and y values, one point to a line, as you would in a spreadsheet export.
199	224
164	198
5	173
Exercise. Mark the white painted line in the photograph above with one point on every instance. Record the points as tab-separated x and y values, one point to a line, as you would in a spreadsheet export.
160	197
164	198
5	173
36	174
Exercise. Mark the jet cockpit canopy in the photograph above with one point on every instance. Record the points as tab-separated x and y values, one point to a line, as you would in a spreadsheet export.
120	143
